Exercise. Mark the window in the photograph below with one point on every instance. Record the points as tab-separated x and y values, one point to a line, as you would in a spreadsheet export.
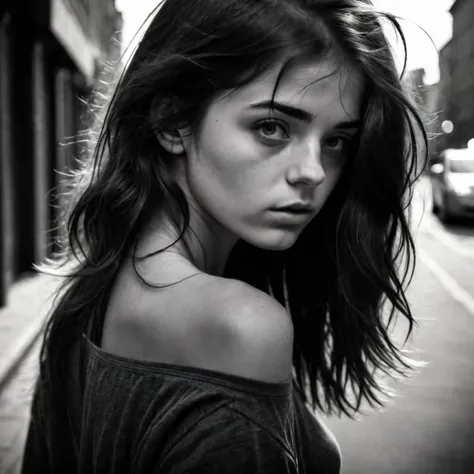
461	166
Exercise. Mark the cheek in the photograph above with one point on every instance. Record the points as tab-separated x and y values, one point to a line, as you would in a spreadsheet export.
216	183
226	162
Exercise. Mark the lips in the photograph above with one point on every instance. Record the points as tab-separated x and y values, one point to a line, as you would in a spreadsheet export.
291	210
297	208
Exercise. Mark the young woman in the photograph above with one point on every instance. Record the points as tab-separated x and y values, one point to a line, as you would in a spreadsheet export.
236	238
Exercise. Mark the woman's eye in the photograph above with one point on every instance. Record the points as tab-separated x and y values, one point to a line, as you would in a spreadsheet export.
337	143
272	130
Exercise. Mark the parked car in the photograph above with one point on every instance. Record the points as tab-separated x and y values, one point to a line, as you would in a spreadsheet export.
452	184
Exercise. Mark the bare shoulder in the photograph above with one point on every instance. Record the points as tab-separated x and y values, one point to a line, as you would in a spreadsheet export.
248	332
206	322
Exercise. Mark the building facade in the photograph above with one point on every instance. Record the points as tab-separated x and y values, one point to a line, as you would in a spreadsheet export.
457	77
426	97
51	53
444	97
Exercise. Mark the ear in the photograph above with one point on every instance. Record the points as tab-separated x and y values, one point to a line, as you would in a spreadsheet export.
174	141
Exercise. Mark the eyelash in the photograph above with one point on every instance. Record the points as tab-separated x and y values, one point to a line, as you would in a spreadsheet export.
278	123
258	126
344	138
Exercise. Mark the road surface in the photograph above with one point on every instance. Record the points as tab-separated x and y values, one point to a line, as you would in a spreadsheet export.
429	429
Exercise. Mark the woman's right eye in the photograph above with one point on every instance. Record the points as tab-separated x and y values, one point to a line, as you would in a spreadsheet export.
269	129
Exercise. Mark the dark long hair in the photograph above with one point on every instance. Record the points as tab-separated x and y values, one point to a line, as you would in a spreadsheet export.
349	265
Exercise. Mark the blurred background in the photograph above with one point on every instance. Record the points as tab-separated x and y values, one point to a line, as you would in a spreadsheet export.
54	53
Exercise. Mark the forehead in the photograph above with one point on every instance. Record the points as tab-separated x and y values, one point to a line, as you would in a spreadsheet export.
321	87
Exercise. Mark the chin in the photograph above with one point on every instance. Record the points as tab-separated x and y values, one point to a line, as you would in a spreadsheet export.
274	242
280	246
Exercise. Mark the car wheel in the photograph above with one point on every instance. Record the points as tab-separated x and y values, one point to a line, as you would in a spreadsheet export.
443	212
434	205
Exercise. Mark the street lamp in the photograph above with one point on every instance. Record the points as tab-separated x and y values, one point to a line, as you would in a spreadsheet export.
447	126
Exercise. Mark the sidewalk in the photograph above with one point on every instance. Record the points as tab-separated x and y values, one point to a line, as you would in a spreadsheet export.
21	322
22	319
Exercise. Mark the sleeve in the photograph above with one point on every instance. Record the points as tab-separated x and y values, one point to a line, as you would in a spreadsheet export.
227	443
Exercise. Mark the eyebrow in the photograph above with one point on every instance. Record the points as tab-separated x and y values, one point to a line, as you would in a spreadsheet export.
300	114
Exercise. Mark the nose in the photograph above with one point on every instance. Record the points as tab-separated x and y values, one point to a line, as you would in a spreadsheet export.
306	168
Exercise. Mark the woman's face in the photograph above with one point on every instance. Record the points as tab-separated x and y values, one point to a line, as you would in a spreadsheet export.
249	160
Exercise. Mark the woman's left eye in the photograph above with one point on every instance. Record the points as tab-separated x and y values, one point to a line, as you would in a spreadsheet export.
337	143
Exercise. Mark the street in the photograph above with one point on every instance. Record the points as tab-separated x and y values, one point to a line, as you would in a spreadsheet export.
429	427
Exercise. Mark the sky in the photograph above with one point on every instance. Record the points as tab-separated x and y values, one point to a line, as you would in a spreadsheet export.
432	16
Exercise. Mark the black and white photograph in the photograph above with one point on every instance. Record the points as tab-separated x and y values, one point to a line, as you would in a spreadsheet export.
237	237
